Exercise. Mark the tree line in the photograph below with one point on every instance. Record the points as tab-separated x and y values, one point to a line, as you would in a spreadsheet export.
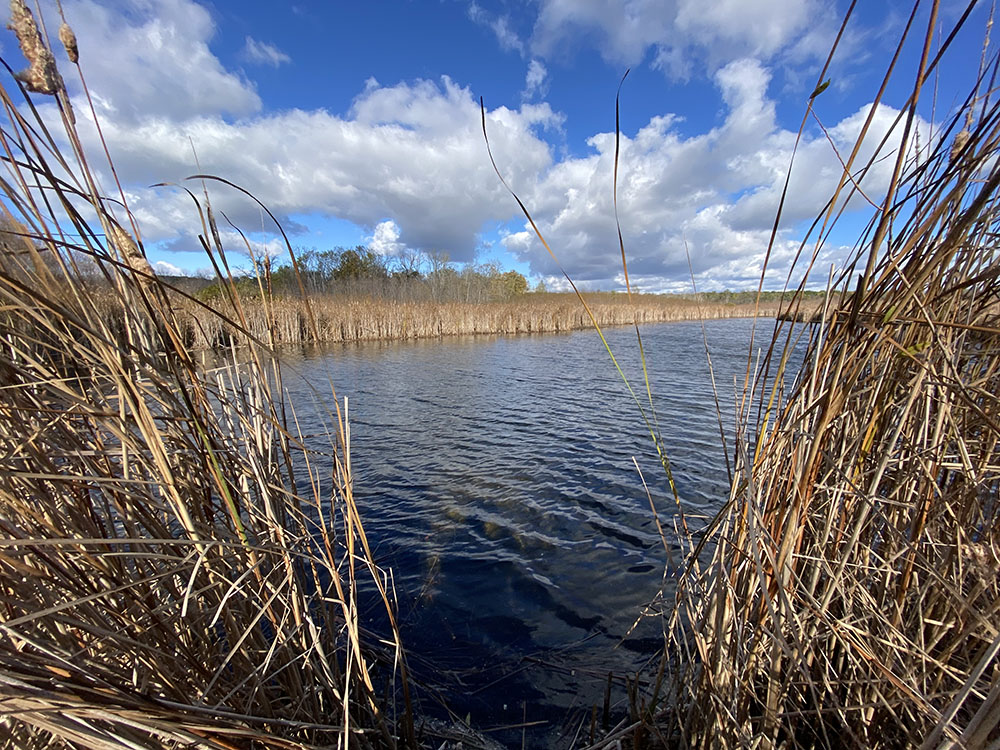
413	276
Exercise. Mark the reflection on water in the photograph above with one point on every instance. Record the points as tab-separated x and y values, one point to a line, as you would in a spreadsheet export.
495	478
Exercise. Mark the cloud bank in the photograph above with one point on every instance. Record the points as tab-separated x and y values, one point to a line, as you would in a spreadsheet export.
407	162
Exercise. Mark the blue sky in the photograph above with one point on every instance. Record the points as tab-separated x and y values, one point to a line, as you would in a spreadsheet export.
358	123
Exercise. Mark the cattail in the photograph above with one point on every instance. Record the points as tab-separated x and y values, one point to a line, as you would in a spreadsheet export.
68	38
41	75
961	139
128	250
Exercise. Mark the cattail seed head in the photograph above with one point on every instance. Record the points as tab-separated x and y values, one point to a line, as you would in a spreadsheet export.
68	38
961	139
41	75
128	250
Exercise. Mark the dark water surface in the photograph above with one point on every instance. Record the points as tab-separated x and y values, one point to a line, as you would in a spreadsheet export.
496	480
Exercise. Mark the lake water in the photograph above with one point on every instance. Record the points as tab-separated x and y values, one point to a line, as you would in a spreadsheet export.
495	476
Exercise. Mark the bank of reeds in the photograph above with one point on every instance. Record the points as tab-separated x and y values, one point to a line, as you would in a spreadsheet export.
848	595
177	567
351	319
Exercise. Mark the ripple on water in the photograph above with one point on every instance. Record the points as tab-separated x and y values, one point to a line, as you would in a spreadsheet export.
496	478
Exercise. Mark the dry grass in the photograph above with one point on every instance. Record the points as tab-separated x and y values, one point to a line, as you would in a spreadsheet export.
351	319
848	594
176	570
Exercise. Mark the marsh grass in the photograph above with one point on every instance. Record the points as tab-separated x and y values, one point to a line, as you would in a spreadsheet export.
348	319
848	595
176	569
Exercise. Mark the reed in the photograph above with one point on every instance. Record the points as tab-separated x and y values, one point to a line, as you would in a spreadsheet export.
350	319
847	596
178	568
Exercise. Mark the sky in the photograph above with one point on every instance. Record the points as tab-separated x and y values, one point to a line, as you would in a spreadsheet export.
360	123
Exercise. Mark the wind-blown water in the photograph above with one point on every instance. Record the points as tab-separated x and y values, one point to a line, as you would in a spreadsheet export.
496	479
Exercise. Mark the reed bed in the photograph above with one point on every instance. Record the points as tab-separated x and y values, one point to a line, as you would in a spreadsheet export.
848	595
177	567
352	319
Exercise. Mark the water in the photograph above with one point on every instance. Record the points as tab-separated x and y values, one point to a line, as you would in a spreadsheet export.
496	478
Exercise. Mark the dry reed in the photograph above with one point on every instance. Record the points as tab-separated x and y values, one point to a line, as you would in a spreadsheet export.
352	319
848	594
177	567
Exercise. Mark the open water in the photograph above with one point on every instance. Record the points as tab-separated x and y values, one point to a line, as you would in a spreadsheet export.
496	479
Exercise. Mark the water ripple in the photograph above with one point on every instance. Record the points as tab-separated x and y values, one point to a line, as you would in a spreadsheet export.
496	478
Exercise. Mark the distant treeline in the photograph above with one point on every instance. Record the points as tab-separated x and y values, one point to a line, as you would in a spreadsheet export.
360	271
356	294
418	277
343	319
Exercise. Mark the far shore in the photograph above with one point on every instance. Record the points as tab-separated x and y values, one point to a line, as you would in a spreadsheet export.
320	319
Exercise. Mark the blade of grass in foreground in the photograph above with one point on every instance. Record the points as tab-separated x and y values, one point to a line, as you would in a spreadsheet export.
646	416
851	591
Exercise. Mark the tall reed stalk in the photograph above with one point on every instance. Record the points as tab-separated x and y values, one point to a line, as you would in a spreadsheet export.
177	567
848	594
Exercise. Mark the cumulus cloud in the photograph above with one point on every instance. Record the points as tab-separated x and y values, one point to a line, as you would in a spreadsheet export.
385	239
264	53
412	152
758	29
534	81
151	60
683	34
256	245
167	269
712	195
407	162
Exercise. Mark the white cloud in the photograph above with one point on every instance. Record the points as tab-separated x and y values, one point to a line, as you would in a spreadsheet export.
167	269
385	239
148	60
758	29
413	152
253	246
714	194
264	53
621	29
507	38
684	35
534	81
407	162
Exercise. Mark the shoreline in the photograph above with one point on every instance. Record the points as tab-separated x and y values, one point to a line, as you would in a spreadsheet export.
284	322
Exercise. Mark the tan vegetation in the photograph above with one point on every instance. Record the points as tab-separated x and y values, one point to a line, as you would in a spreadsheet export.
175	568
349	318
848	595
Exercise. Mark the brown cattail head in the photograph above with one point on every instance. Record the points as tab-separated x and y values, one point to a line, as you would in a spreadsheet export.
128	250
68	38
961	138
41	75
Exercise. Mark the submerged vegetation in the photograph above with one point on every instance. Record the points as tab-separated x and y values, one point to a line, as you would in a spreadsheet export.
175	570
